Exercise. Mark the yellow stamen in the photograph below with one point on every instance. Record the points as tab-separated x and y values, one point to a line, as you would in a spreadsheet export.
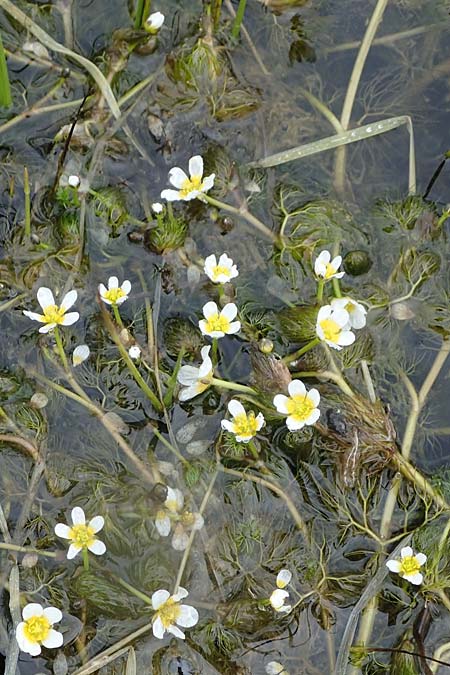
169	613
217	322
114	294
245	425
331	330
82	535
37	629
191	184
409	565
299	407
329	271
218	270
53	314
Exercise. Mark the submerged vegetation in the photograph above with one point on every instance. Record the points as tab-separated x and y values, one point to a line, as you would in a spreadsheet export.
223	403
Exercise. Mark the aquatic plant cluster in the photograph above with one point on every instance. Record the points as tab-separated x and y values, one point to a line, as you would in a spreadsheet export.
218	425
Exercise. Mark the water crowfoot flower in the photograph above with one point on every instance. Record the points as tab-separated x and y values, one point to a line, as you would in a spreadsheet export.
301	407
53	315
279	595
155	21
325	268
222	271
275	668
185	520
114	294
169	612
244	425
188	188
80	354
332	327
36	629
134	352
195	380
217	325
157	207
408	566
82	535
356	312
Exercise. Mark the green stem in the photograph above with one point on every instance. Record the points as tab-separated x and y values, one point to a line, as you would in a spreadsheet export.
27	549
169	446
238	19
214	347
232	385
117	316
85	555
5	89
336	288
320	285
253	449
301	351
246	215
26	191
133	590
139	15
60	347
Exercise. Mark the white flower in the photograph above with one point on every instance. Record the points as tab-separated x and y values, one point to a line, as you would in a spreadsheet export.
188	188
332	327
73	181
300	406
134	352
222	271
195	380
169	612
184	520
114	294
409	565
54	315
279	595
244	425
80	354
155	21
82	535
157	207
275	668
356	312
325	268
216	324
36	629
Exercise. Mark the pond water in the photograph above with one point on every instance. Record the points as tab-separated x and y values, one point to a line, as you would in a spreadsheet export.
355	96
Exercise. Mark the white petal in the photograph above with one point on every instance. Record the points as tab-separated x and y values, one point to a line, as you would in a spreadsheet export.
188	616
235	327
260	421
294	424
62	530
176	631
33	315
159	598
393	566
313	417
113	282
229	311
274	668
415	579
235	408
53	614
296	387
97	547
280	401
277	598
336	262
32	609
206	366
209	264
313	396
283	578
324	313
199	521
177	177
195	166
203	327
421	558
188	375
225	261
45	297
162	523
68	300
341	317
324	257
102	289
180	594
180	540
80	354
346	338
188	392
340	303
227	425
170	195
158	628
73	551
70	318
78	517
97	523
406	552
208	182
210	309
126	287
53	640
25	645
47	328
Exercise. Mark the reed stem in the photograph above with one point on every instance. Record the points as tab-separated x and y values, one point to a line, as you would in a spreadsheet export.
235	30
5	89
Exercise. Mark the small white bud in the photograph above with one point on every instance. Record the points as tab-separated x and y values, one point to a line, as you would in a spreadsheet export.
155	20
157	207
73	181
80	354
134	352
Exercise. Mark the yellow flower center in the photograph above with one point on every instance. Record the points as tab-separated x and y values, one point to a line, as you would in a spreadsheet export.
299	407
245	425
217	322
82	535
114	294
350	307
329	271
191	184
169	613
409	565
218	270
37	628
53	314
331	330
